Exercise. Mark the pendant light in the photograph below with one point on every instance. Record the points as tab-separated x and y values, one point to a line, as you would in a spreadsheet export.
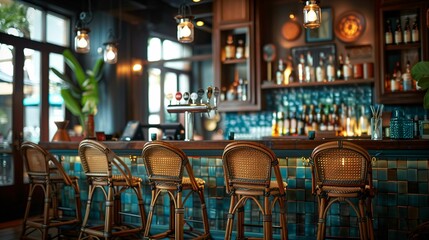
82	39
111	49
312	14
185	27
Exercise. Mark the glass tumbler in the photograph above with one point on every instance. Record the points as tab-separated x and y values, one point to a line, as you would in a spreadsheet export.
376	129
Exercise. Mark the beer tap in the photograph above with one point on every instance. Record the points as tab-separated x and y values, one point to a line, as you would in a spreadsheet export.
216	95
209	96
186	97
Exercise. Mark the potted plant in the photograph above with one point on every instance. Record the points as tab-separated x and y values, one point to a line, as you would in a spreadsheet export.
420	73
80	93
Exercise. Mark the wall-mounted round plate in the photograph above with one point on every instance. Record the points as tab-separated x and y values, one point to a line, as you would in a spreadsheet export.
291	30
350	26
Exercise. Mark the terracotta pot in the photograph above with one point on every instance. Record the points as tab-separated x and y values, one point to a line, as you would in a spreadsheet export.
61	134
90	127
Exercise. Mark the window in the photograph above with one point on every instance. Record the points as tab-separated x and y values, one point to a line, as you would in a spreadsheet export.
168	74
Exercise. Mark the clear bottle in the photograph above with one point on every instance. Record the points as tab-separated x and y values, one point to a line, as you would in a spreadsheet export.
407	78
230	48
347	69
330	69
309	69
274	127
388	35
398	32
340	67
286	124
415	34
239	52
301	69
394	84
363	121
288	70
398	75
280	72
407	31
320	72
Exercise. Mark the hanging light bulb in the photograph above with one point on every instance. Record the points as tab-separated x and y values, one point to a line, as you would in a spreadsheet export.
82	41
111	49
185	27
312	14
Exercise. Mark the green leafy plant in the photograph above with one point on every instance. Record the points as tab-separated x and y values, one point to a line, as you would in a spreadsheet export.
420	72
80	93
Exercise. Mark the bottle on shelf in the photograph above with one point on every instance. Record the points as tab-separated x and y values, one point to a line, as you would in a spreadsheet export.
293	123
388	35
230	48
320	71
398	32
244	90
309	69
288	77
407	78
351	121
330	69
286	123
363	121
398	75
301	69
280	73
340	67
347	69
394	84
274	127
239	51
407	31
415	34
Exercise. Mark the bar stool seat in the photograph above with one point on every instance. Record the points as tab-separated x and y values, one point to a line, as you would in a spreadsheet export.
247	171
342	172
99	164
165	166
45	172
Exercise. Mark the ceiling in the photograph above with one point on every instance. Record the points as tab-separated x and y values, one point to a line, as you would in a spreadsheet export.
138	12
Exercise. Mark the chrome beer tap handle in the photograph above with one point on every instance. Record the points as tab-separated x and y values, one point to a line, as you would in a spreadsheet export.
186	97
216	96
200	93
194	97
209	94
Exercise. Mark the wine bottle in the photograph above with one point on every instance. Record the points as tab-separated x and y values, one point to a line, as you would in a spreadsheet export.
407	31
330	69
415	34
230	48
347	69
340	74
388	36
398	32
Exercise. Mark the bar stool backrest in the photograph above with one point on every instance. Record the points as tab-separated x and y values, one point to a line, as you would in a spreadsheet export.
341	164
98	161
165	163
40	164
248	164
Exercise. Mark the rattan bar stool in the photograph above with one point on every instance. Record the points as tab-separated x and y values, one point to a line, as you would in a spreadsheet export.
165	166
47	173
247	168
342	171
99	164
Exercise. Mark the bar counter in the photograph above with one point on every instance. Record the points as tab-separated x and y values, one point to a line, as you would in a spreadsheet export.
400	172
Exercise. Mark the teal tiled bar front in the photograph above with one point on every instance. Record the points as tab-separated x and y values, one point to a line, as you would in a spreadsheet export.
401	179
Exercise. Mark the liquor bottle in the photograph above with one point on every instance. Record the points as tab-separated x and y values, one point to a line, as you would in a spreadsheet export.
363	121
388	36
309	69
289	71
398	32
347	69
330	69
293	123
239	52
274	127
394	84
407	31
229	48
244	90
407	78
301	69
351	121
415	34
336	119
280	73
340	67
280	123
398	75
286	123
320	72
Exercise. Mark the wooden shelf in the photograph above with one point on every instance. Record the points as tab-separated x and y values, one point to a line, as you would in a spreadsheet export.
394	47
267	85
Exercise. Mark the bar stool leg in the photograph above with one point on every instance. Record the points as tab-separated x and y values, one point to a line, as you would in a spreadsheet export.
283	218
267	219
240	222
91	190
230	218
179	213
321	223
47	192
27	210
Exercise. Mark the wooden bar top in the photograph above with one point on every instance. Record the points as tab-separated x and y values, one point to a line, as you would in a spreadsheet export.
273	143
